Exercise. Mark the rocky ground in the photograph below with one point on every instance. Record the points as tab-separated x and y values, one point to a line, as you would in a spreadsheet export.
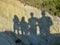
10	38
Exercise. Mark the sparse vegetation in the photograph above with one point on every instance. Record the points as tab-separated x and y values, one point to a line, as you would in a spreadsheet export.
52	6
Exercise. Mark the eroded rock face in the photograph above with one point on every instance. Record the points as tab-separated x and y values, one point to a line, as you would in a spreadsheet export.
10	8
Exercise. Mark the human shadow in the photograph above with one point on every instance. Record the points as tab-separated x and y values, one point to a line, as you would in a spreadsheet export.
23	26
44	24
16	24
32	24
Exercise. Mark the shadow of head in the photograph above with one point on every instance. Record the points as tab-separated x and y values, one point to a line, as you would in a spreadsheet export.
31	14
23	18
43	13
15	16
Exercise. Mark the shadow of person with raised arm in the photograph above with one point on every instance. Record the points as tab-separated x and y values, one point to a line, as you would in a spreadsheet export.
45	23
24	26
33	24
16	24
